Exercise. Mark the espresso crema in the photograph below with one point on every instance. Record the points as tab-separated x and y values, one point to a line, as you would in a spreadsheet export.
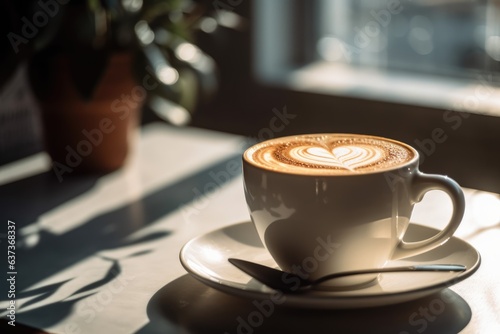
329	154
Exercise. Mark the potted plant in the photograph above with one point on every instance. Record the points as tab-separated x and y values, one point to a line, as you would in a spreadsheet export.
93	64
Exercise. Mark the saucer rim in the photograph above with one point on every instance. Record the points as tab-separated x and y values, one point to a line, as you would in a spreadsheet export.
323	297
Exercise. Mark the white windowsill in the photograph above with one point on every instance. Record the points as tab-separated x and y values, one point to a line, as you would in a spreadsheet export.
476	96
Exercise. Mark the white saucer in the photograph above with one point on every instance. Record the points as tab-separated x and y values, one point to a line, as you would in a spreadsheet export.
205	257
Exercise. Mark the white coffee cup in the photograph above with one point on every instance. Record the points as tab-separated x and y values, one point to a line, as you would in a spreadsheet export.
318	214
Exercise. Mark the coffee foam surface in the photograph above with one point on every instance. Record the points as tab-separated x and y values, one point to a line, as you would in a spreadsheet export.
322	154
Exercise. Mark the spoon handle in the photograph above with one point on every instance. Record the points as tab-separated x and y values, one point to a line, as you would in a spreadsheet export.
422	267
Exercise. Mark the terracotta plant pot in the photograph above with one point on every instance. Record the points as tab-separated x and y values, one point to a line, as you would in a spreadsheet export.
91	135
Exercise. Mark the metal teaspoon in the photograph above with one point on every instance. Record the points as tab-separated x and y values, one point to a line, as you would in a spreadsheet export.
280	280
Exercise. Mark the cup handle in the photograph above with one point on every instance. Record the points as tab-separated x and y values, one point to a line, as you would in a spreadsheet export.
421	184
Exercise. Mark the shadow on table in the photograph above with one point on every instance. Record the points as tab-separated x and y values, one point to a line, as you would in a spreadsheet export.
187	305
25	200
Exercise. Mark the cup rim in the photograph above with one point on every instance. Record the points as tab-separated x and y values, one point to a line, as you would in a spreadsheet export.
412	161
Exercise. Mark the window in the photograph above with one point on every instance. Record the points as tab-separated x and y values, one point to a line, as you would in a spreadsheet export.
424	52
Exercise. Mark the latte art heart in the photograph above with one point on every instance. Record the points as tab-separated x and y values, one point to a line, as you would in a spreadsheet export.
325	154
348	157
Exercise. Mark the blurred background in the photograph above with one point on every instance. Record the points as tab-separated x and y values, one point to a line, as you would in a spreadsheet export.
423	72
